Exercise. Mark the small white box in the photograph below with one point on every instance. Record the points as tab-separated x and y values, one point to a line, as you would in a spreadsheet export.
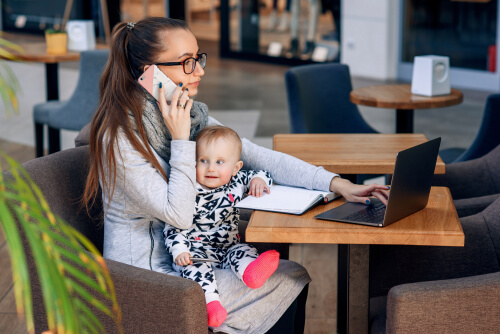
274	49
81	35
431	75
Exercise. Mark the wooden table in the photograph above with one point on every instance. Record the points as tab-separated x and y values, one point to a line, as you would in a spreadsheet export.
350	153
435	225
35	50
356	154
399	97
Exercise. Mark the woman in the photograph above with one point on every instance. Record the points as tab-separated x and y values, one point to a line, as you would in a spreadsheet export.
143	156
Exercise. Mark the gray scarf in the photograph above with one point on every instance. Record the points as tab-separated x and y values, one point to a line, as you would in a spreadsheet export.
156	131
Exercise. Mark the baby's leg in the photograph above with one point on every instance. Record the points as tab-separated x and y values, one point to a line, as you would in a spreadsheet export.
252	269
203	274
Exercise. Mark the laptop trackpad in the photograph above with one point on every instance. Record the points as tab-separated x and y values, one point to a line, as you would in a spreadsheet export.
345	210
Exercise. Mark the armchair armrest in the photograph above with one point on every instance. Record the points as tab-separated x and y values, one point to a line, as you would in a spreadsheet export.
463	305
471	206
153	302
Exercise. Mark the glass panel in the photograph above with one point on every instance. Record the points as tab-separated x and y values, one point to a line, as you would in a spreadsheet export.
285	28
465	31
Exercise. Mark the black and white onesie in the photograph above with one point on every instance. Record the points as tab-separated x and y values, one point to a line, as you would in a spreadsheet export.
214	234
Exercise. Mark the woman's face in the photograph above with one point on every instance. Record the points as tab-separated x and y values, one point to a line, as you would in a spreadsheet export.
181	45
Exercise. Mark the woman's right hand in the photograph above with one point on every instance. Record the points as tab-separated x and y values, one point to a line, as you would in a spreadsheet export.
177	115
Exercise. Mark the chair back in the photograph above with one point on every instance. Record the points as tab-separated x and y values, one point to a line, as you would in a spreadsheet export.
318	100
488	136
61	177
81	107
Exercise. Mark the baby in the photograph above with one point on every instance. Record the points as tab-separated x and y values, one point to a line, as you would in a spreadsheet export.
214	235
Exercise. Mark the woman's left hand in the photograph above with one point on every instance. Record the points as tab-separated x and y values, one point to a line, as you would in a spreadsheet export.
357	192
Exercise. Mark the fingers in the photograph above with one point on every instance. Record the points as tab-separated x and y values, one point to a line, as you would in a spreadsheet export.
176	96
177	115
183	259
380	196
162	101
257	189
183	99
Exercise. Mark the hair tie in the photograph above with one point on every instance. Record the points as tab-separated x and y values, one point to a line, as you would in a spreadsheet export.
130	25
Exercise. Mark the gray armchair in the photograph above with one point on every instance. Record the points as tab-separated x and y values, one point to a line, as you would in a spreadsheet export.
422	289
151	302
474	184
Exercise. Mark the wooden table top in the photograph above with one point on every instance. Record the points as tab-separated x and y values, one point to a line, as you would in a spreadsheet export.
435	225
35	49
351	153
400	97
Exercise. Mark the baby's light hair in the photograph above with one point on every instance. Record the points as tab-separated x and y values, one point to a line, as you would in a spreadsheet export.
214	132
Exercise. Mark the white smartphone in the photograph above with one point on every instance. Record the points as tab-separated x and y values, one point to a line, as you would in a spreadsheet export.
151	79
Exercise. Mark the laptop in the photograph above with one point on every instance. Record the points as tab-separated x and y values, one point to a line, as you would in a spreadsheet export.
410	189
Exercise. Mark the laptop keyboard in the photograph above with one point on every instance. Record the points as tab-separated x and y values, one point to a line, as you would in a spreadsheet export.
372	214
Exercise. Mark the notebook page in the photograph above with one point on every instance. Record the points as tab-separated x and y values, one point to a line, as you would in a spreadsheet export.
283	199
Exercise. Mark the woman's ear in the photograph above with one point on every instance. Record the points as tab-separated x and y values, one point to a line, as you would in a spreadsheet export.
146	68
237	167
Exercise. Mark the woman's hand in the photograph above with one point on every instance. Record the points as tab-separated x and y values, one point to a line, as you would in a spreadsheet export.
183	259
177	116
258	186
357	192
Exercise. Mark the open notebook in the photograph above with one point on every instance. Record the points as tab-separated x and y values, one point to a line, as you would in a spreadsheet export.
286	199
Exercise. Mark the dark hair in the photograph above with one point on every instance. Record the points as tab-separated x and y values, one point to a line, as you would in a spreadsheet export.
132	48
214	132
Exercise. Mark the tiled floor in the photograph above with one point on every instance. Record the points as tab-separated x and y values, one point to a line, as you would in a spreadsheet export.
256	91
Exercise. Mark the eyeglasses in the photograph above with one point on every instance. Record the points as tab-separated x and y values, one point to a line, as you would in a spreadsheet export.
189	64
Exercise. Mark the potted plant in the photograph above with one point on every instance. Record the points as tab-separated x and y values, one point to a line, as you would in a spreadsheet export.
57	37
59	251
57	41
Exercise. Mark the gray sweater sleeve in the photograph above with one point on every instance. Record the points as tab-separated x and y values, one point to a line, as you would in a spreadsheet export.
146	190
283	168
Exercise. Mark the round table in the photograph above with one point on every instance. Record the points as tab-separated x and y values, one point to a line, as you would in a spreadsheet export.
399	97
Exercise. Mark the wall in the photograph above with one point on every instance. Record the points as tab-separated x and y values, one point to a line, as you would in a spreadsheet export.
370	37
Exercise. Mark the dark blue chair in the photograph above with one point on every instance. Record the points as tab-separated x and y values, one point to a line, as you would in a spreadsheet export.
487	138
318	100
76	112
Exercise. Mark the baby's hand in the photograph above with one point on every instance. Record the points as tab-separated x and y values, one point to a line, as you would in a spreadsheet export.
183	259
258	186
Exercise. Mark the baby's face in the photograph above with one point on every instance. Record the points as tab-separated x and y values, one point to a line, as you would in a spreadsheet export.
216	162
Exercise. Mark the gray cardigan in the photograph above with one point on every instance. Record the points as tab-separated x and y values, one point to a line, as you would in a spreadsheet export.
143	201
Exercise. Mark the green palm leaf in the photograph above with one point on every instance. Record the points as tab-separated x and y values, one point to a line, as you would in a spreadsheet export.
9	85
71	270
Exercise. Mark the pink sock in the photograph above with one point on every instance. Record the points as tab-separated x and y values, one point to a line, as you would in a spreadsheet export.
217	314
260	269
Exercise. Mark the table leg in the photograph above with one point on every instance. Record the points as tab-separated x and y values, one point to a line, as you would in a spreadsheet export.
54	140
52	82
404	121
353	289
39	140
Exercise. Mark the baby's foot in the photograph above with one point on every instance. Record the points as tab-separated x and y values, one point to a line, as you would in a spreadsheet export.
217	314
260	269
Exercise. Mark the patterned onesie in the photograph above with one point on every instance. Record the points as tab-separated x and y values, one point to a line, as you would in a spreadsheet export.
214	234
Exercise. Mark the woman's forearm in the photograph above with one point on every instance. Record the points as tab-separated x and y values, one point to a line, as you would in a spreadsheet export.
284	168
